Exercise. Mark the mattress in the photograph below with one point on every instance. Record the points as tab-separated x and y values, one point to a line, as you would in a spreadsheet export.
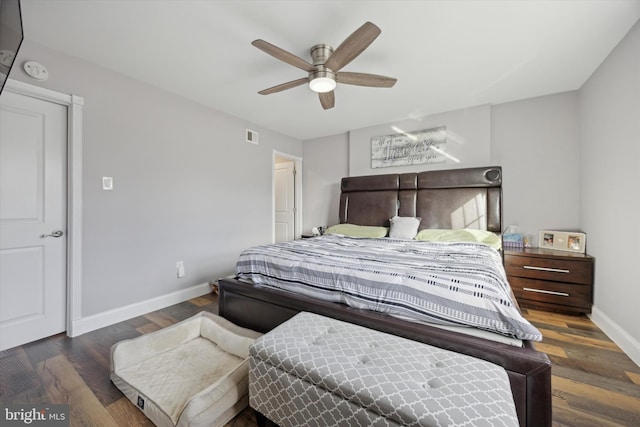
451	284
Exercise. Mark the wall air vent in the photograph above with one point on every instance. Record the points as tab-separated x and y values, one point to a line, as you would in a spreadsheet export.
252	136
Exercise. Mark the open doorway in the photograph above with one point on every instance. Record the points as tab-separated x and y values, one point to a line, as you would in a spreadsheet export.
287	197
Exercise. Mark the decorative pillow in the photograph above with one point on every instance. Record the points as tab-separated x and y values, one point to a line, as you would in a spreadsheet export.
353	230
462	235
404	227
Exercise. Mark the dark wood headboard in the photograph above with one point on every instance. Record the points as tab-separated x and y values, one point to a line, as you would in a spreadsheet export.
448	199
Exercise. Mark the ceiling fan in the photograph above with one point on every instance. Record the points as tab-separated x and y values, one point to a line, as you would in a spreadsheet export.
324	71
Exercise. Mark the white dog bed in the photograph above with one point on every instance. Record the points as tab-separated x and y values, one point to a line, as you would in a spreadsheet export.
192	373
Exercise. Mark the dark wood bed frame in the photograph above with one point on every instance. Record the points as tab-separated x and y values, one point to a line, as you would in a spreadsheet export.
447	199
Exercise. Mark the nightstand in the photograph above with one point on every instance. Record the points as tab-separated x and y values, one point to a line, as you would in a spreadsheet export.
551	280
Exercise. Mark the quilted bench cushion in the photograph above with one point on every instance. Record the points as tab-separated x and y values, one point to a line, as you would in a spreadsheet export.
399	380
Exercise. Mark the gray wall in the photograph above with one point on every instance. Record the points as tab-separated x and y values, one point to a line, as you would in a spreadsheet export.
186	184
537	143
534	140
326	161
610	191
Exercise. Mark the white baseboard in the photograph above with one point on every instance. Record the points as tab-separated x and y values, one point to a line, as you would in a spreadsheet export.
626	342
97	321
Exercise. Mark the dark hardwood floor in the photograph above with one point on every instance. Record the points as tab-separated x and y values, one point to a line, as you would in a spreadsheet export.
594	382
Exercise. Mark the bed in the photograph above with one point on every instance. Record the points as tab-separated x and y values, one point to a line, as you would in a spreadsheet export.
448	199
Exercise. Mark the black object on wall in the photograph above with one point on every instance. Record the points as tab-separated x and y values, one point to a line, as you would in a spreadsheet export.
11	37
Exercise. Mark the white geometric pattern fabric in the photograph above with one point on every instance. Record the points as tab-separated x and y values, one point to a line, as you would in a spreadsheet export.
316	371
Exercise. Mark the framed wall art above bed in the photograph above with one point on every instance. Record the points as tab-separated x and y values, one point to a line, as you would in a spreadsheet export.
409	148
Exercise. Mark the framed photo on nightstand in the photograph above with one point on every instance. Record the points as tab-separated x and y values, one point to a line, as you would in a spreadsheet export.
571	241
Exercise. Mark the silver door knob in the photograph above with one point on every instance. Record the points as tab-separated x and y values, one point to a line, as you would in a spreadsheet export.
55	233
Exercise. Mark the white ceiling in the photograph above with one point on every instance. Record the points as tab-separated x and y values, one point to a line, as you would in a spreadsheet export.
446	55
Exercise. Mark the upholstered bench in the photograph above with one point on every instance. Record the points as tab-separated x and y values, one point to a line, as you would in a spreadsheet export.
193	373
317	371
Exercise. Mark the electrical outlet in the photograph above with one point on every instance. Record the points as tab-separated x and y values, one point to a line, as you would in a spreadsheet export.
180	269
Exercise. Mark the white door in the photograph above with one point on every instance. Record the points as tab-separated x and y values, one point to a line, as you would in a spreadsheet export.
33	178
285	212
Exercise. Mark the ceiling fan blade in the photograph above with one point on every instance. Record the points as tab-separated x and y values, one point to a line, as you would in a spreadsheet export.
364	79
327	99
353	46
282	55
285	86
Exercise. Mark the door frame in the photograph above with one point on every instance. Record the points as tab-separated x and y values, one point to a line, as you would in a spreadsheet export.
297	231
74	105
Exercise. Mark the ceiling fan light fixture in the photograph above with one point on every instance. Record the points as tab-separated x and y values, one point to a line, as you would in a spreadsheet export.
322	84
324	70
322	80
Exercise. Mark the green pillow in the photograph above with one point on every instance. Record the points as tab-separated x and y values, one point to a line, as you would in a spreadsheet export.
461	235
353	230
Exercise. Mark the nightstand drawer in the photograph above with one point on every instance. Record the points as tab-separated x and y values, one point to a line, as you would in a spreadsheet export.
571	271
565	294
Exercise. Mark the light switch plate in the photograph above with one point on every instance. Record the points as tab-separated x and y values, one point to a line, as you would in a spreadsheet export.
107	183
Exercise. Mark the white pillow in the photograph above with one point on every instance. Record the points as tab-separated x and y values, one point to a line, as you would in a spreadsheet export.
404	227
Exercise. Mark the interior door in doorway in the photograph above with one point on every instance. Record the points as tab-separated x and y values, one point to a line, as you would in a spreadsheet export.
33	201
284	204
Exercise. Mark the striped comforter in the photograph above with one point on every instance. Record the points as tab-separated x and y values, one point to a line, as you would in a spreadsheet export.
459	284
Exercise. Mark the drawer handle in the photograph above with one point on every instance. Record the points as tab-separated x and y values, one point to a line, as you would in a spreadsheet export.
542	291
553	270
